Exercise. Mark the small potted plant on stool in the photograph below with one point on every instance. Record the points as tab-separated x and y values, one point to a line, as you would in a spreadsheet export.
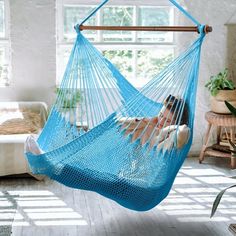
222	88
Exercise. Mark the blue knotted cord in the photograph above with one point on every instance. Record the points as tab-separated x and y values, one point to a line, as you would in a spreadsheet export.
104	159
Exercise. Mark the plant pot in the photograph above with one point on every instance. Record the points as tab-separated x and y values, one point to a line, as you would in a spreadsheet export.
70	114
218	102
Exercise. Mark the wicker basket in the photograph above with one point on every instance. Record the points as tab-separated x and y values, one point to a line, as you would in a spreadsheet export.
218	102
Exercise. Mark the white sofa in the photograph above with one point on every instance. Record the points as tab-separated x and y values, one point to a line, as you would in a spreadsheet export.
12	158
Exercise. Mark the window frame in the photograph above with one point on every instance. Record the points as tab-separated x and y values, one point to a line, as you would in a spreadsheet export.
101	45
5	42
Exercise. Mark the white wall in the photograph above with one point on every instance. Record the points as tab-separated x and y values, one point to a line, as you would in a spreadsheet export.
33	44
34	51
215	53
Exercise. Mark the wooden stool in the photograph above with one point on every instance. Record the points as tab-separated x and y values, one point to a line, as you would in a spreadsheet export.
219	121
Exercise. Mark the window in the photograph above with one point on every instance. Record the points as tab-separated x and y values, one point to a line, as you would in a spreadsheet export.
144	53
4	44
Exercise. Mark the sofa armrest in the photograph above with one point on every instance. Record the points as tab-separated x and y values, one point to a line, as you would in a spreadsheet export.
12	159
38	107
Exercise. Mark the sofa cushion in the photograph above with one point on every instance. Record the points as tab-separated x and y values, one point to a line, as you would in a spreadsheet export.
19	121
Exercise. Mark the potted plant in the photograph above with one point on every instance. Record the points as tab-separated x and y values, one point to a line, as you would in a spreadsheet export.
232	109
69	103
221	88
70	97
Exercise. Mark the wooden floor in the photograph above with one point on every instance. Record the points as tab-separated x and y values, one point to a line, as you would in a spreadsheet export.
50	209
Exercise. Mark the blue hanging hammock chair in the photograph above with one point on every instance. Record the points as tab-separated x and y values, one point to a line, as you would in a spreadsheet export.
103	158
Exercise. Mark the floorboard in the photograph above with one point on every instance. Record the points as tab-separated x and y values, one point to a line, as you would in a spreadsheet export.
47	208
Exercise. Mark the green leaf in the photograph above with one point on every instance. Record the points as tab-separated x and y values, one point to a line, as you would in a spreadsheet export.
220	81
217	200
231	108
232	177
208	84
232	145
229	84
214	92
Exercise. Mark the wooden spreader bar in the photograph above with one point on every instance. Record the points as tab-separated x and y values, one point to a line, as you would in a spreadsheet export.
207	28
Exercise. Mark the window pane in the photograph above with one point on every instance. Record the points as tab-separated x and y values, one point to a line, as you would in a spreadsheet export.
136	62
4	67
74	15
2	20
140	66
151	62
117	16
123	60
155	16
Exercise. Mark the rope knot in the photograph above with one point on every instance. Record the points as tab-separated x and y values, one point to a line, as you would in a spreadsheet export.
76	27
202	29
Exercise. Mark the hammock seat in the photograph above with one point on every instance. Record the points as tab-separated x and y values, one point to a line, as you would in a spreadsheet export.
104	159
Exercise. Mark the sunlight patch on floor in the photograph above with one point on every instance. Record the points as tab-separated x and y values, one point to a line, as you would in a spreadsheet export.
193	189
191	198
61	222
180	207
216	180
199	172
187	212
202	219
27	208
185	180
